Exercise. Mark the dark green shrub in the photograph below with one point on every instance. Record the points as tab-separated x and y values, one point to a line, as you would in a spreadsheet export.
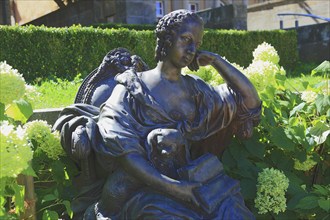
237	46
44	52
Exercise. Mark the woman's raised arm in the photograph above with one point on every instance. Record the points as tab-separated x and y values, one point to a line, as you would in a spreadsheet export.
233	77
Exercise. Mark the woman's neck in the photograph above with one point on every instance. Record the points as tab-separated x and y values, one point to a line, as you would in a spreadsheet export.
168	71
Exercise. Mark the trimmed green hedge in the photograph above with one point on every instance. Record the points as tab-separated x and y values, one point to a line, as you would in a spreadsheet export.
137	27
44	52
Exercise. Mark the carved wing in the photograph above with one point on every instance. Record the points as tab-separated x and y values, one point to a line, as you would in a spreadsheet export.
98	85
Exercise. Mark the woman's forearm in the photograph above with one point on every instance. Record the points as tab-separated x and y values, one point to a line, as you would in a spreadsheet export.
137	166
238	81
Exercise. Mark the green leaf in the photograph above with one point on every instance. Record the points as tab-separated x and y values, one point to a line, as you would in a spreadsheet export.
323	68
255	147
322	103
228	160
19	197
68	208
270	117
298	108
280	79
19	110
319	132
57	170
321	190
49	215
280	160
2	112
294	200
305	84
279	138
324	204
248	188
29	171
308	202
48	197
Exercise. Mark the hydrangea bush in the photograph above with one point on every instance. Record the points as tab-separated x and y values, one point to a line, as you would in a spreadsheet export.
22	148
283	169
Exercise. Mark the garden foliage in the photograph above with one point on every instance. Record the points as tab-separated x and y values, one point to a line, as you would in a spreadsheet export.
29	148
289	152
45	52
283	169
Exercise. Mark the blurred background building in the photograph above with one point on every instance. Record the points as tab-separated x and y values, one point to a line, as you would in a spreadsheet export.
266	14
235	14
311	18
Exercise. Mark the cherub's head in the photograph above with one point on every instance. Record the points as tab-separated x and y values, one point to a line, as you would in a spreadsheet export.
166	142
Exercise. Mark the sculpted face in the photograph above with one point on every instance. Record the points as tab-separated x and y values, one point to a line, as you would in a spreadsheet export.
169	141
185	44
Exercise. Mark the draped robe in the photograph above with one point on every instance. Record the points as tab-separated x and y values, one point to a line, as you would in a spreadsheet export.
125	119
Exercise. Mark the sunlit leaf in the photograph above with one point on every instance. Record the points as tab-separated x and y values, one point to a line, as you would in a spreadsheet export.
2	111
49	215
298	108
305	84
323	68
68	208
322	103
19	110
319	132
48	197
19	197
29	171
269	116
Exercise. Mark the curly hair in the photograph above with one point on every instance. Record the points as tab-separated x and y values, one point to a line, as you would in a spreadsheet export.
167	26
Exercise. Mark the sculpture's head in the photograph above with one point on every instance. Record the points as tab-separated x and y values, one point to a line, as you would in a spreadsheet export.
168	27
166	142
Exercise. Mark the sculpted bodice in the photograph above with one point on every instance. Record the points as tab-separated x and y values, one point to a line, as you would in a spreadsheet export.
175	96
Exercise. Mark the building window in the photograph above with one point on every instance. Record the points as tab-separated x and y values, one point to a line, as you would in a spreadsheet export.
159	9
193	7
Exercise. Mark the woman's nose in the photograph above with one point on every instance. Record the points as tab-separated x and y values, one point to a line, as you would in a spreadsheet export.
191	49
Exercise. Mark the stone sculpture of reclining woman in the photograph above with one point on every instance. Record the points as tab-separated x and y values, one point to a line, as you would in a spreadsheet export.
205	117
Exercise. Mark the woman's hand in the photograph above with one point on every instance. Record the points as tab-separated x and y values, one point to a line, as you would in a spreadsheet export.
184	190
202	58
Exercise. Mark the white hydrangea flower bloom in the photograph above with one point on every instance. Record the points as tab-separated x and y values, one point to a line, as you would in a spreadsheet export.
262	73
6	128
308	96
15	151
12	84
266	52
31	93
271	188
40	132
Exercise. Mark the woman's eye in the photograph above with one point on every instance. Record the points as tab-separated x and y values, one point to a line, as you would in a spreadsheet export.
185	39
